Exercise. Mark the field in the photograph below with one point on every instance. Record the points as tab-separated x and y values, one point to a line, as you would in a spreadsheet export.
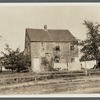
76	83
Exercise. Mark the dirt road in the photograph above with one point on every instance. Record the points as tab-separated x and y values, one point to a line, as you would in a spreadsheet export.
82	85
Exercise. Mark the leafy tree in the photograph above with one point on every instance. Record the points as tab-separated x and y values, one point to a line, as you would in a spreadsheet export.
91	44
15	60
23	62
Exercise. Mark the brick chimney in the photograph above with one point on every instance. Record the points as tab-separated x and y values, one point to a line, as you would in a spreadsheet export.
45	27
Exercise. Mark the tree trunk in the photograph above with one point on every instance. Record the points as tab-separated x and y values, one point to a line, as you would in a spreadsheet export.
18	70
1	68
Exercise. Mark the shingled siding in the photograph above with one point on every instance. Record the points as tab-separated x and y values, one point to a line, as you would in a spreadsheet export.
39	49
27	41
49	47
65	52
28	50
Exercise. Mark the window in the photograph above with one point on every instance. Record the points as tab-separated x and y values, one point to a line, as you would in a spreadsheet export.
57	59
72	60
57	48
71	46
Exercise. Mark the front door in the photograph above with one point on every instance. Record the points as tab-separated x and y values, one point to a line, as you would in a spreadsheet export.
37	65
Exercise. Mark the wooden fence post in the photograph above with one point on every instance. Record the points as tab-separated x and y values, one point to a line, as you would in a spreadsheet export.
35	78
85	69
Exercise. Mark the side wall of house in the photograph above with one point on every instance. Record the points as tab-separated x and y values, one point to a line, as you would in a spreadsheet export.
28	50
27	45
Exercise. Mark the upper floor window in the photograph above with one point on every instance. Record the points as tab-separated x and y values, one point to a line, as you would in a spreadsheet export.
71	46
57	48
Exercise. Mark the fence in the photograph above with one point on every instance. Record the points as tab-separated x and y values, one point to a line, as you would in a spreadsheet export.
27	77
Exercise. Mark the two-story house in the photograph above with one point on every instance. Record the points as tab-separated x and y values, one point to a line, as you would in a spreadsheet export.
56	45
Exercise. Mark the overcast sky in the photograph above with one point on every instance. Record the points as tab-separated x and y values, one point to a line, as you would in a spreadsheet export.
14	20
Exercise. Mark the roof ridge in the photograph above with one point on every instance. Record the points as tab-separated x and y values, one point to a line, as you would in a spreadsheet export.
59	29
34	29
49	29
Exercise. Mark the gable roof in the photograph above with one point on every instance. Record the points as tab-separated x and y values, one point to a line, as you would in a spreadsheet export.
50	35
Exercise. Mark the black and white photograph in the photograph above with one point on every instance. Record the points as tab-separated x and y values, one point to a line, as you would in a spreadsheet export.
49	49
